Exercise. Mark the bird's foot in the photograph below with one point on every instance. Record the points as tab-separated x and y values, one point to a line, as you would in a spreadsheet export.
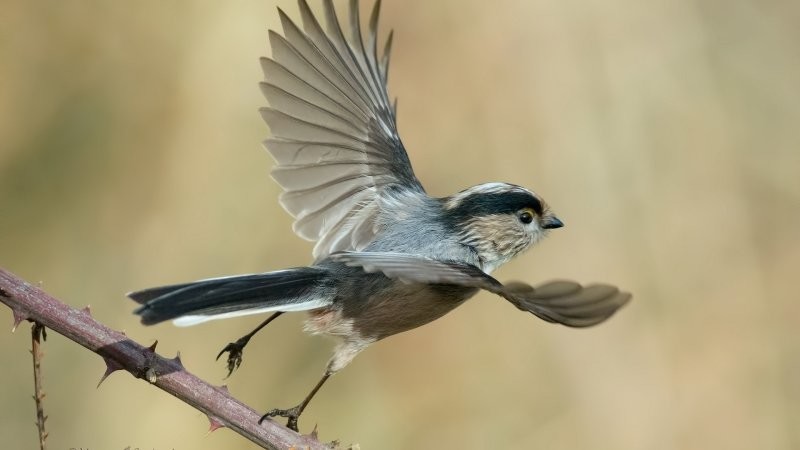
292	414
234	350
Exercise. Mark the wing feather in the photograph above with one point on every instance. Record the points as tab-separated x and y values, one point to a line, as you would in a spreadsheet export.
315	60
564	302
334	135
297	107
384	68
287	56
325	44
289	82
288	127
346	53
291	152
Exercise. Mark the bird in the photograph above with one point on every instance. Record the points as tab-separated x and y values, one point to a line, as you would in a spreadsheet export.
388	257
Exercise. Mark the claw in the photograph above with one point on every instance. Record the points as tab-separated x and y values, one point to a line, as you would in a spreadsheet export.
292	414
234	350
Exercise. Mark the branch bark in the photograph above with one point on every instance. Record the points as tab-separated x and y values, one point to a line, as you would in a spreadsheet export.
27	302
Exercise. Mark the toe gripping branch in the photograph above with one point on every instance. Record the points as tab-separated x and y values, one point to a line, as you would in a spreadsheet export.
235	349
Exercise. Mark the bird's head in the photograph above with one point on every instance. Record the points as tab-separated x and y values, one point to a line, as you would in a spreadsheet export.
498	220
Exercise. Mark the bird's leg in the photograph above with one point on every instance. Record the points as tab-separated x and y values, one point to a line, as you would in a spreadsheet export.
294	413
235	349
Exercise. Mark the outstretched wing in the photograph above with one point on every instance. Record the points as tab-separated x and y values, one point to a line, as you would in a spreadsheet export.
564	302
334	132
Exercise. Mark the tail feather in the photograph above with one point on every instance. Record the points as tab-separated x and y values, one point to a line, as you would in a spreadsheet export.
295	289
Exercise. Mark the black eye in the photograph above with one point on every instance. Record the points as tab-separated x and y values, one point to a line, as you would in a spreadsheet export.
525	216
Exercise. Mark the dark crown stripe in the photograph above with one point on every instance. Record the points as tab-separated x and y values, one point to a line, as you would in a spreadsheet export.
485	204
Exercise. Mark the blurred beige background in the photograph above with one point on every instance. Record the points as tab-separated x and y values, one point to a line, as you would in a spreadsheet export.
666	134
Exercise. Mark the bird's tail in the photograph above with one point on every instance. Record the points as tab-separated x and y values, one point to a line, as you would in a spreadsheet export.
297	289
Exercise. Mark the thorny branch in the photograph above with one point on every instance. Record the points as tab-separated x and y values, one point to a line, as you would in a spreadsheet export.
38	334
30	303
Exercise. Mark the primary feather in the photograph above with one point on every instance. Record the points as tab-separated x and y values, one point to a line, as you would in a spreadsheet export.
335	137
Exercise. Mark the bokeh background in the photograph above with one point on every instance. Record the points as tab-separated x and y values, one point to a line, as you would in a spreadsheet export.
666	134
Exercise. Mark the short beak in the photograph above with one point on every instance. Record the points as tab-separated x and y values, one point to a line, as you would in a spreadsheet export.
551	222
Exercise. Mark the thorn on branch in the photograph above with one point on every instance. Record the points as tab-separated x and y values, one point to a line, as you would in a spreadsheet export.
214	423
19	317
111	367
178	361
